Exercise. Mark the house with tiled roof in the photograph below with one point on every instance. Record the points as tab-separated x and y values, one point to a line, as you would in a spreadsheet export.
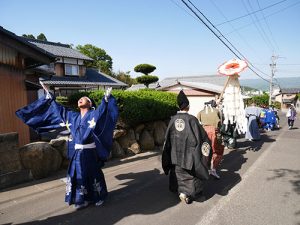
198	89
68	74
288	96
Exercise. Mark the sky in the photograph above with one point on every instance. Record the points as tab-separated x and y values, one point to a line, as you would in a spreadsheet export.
166	34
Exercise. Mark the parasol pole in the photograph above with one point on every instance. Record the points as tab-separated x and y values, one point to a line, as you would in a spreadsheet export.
220	99
225	86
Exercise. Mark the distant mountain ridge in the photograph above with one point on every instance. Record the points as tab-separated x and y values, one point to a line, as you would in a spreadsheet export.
284	82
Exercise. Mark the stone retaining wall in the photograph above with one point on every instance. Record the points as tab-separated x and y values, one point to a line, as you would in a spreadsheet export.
40	159
11	169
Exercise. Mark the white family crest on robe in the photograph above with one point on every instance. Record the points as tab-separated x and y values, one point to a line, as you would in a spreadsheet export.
179	124
205	148
66	124
92	123
82	190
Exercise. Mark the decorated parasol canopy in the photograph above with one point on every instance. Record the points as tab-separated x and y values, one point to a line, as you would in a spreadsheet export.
231	96
232	67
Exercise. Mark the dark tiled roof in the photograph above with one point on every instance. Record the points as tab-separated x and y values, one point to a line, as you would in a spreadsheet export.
136	87
204	86
212	83
290	90
210	79
58	49
91	78
25	42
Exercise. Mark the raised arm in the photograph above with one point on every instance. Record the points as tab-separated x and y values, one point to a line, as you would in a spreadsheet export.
44	114
105	116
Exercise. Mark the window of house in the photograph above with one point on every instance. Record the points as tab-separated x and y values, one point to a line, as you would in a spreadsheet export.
72	70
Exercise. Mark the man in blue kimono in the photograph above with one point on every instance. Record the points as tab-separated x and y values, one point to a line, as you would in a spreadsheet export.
252	114
89	146
270	120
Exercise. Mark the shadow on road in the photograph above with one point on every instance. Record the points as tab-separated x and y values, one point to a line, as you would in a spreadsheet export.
295	181
295	174
231	164
143	193
256	145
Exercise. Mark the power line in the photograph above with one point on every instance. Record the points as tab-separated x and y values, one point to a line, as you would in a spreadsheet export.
276	12
267	25
220	11
292	64
223	36
179	6
259	28
192	10
237	18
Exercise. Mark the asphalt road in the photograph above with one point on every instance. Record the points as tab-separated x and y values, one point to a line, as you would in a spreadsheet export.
260	184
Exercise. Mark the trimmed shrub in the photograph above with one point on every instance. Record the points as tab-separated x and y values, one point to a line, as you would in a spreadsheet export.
144	68
146	79
136	107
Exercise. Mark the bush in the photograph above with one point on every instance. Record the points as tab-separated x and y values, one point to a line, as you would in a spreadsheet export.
277	105
144	68
260	100
146	79
136	107
62	100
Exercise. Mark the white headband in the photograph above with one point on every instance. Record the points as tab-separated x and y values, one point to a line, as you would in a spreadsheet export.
89	100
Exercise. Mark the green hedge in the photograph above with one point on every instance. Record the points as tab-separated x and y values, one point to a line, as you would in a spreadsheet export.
260	100
136	106
263	100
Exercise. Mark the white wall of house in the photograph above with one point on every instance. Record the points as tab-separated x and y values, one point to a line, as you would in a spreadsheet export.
196	101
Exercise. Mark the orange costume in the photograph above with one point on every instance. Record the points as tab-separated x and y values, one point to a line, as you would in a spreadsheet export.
210	120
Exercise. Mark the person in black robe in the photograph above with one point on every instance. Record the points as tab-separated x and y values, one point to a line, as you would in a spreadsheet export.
186	153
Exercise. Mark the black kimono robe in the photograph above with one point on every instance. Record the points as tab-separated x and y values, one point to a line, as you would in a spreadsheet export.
186	154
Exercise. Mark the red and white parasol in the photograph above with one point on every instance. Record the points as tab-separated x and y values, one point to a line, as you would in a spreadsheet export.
231	96
233	66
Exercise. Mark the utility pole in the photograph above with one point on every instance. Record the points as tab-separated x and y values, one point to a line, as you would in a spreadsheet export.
273	69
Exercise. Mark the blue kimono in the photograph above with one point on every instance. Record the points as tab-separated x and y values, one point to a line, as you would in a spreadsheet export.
262	117
270	120
89	147
252	114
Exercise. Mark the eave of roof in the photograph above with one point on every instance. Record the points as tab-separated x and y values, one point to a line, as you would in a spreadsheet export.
218	80
91	78
21	40
50	82
197	85
58	49
290	90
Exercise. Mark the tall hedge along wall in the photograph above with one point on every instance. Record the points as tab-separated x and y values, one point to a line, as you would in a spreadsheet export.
135	107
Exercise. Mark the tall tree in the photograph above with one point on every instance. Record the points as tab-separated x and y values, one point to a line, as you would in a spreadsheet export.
125	77
101	59
146	79
41	37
